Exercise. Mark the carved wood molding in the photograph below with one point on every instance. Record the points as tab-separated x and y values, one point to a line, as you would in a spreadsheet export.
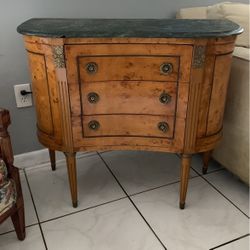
199	56
65	110
58	56
194	96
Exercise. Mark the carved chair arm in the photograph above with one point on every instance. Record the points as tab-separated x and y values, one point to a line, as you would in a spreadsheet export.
6	152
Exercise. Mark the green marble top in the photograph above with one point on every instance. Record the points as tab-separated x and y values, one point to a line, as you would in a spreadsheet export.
138	28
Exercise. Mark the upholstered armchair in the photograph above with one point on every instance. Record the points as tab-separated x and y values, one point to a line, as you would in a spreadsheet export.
11	198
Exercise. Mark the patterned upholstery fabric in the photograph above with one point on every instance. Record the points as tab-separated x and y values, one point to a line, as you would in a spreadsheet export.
7	189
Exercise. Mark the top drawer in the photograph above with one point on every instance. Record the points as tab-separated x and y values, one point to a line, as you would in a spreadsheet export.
128	68
125	62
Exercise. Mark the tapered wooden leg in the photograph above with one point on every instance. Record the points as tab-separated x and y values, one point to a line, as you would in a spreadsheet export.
52	156
185	169
71	165
19	223
206	157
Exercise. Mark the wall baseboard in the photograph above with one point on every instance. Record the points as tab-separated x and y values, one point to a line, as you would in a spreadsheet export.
41	157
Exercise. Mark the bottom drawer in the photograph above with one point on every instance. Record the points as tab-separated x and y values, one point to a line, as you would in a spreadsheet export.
128	125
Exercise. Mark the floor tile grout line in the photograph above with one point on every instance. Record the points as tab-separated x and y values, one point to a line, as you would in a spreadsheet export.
101	204
231	241
40	227
48	164
161	186
104	152
179	157
82	210
211	171
214	171
215	188
105	203
13	230
132	202
128	196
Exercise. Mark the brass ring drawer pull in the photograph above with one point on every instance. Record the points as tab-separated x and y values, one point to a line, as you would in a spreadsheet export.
93	97
94	125
165	98
163	126
91	67
166	68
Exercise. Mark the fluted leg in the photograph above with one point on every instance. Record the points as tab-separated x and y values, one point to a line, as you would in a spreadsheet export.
71	165
206	157
185	169
52	156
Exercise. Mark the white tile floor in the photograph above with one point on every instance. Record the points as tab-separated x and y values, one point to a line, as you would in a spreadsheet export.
139	212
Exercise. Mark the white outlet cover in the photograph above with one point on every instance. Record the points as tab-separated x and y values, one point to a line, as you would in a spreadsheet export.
23	100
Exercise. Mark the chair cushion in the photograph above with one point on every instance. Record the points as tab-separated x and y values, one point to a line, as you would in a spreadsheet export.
192	13
242	53
3	173
7	189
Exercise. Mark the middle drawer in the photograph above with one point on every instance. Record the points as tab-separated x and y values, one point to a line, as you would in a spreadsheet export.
129	68
132	97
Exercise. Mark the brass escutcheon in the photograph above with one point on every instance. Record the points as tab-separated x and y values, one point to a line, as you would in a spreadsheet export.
163	126
165	98
91	67
93	97
166	68
94	125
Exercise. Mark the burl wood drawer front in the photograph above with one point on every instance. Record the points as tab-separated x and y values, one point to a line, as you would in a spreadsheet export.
134	68
128	125
129	97
109	63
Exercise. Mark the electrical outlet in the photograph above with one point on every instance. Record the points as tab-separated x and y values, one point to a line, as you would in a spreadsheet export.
24	100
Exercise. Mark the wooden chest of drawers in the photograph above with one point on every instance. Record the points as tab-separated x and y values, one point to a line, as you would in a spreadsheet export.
137	85
128	91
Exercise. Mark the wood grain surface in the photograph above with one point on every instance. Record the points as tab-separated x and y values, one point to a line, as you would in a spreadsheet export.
128	81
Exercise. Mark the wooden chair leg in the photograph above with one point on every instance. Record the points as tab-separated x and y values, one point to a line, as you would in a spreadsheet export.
185	169
206	157
52	156
71	165
18	220
7	155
